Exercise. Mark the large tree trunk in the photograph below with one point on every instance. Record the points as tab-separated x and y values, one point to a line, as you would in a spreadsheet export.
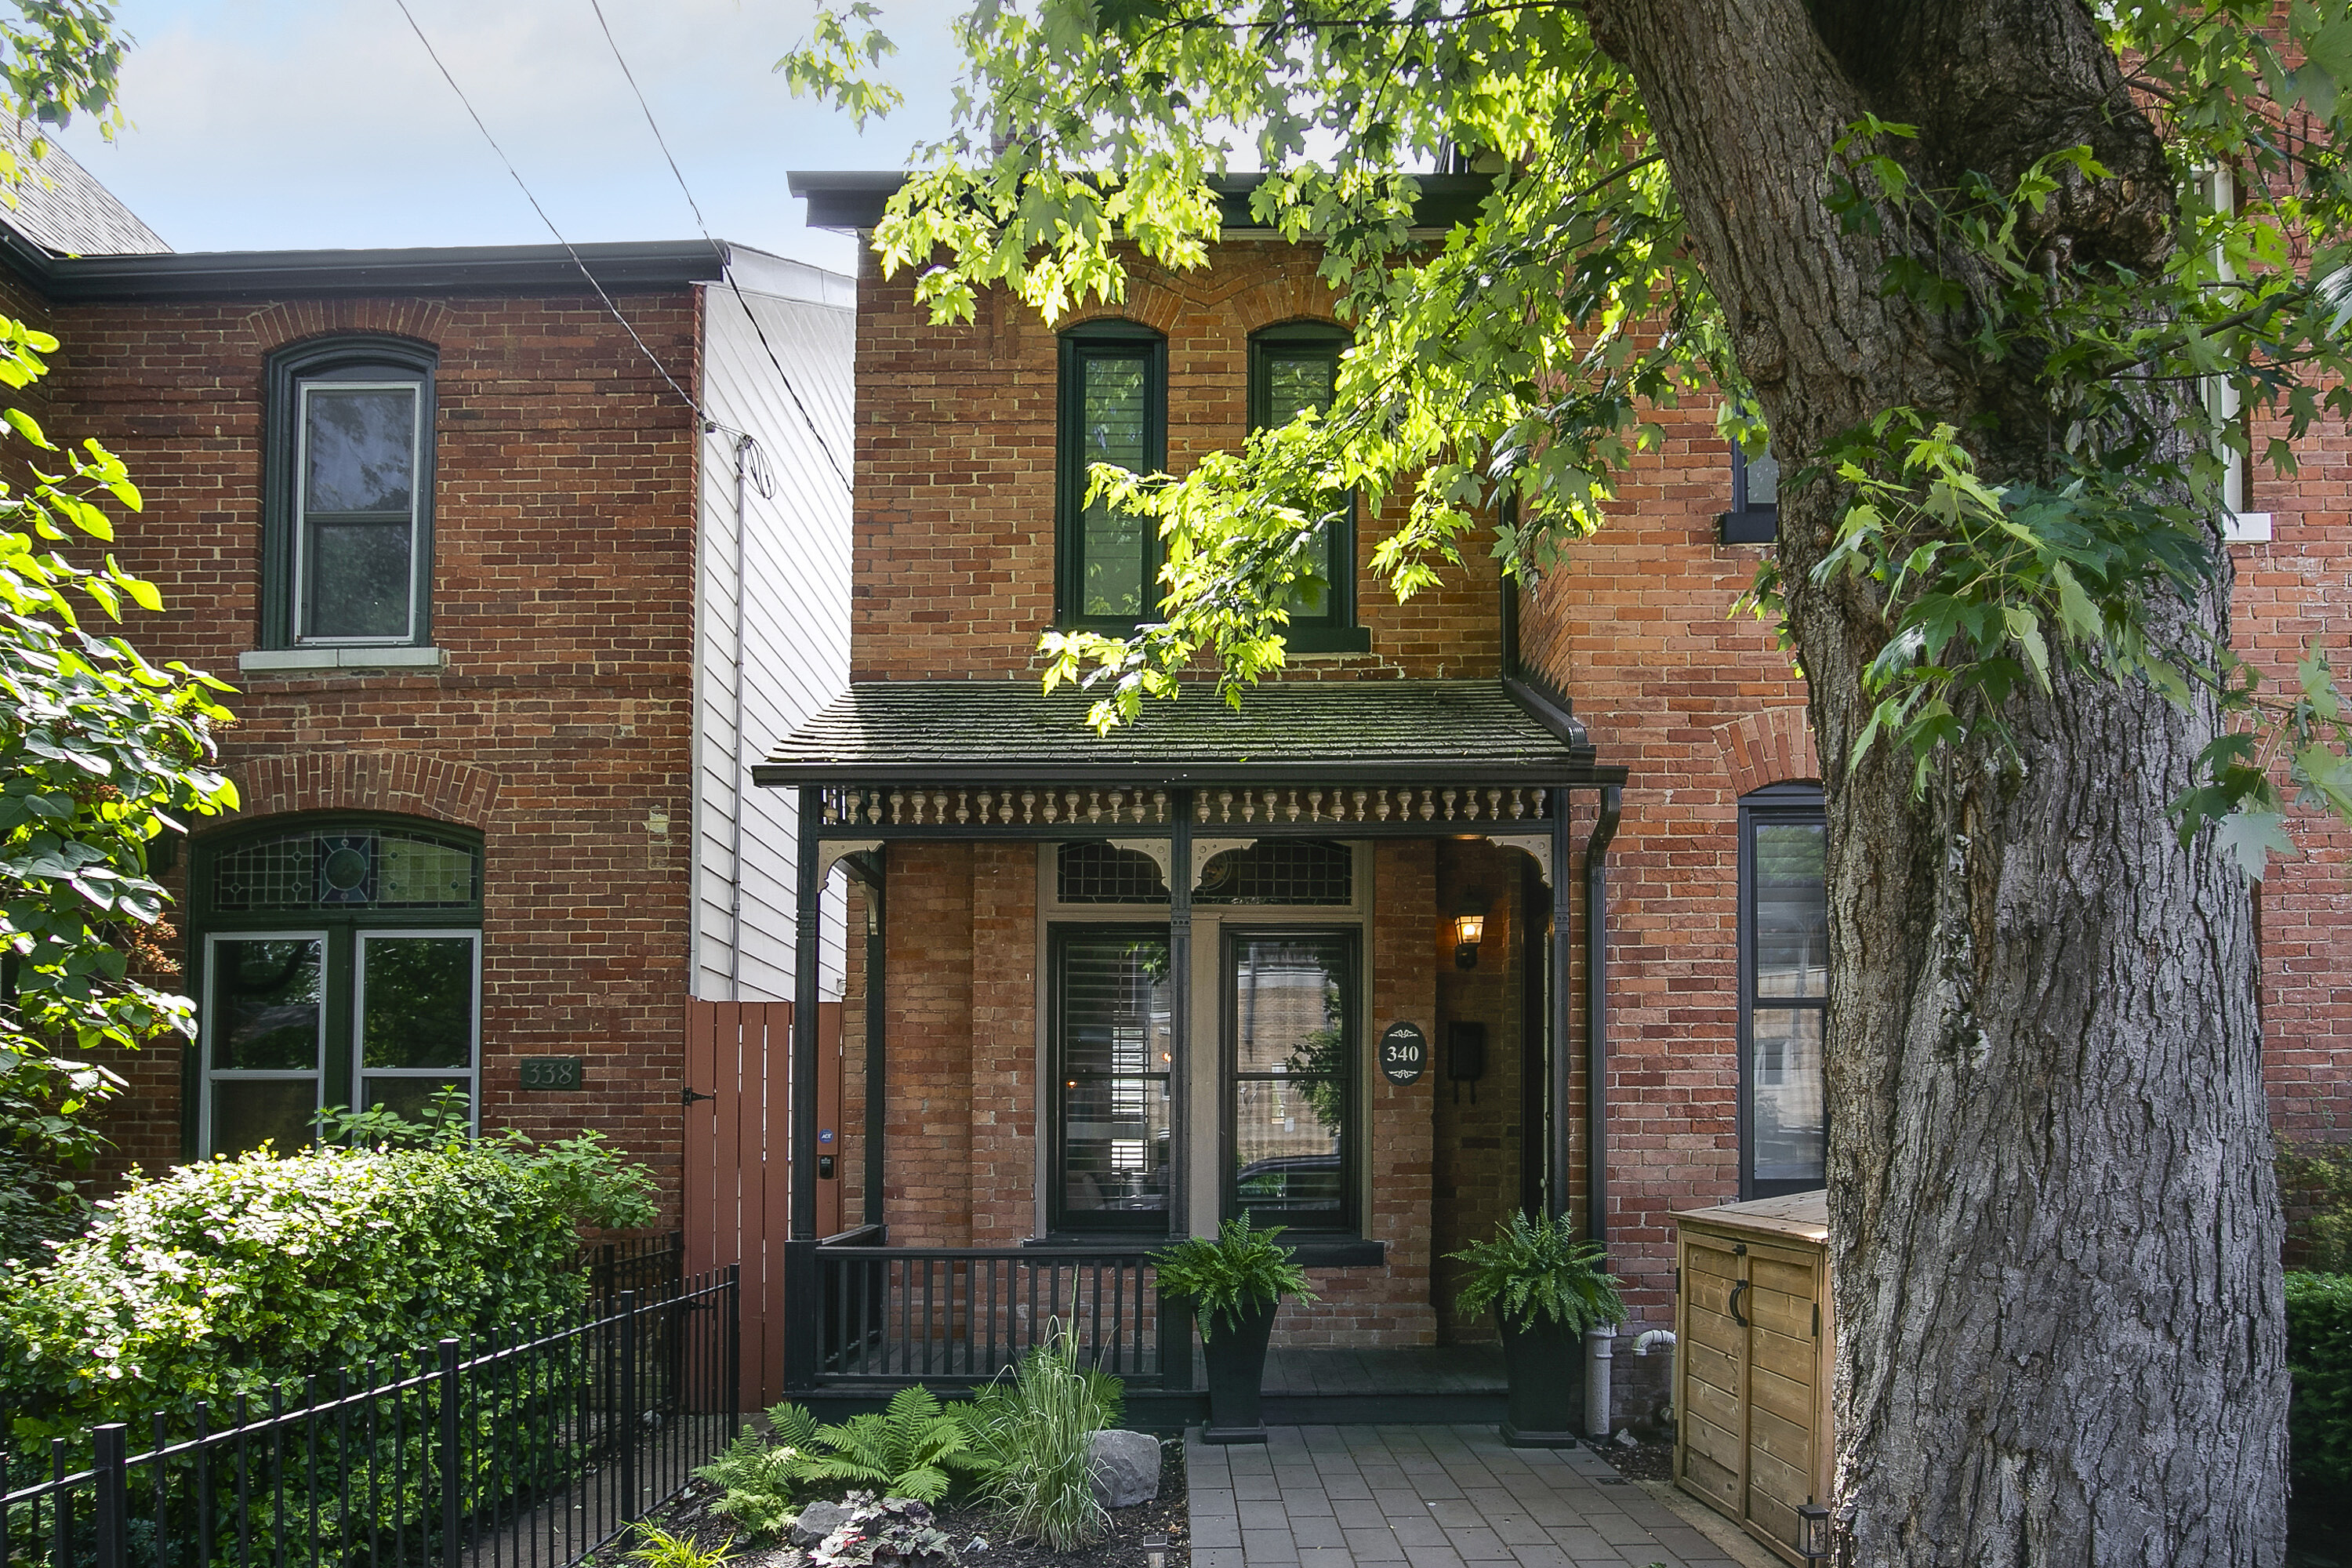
2055	1236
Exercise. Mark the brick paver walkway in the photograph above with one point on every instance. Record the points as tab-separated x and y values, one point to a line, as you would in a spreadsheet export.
1434	1497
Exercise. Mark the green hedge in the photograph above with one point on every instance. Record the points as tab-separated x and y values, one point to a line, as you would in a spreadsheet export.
219	1278
2319	1353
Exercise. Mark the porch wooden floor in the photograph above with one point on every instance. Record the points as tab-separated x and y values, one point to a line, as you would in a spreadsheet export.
1433	1383
1432	1369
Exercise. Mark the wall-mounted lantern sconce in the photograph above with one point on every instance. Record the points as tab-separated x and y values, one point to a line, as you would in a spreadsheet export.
1469	929
1813	1532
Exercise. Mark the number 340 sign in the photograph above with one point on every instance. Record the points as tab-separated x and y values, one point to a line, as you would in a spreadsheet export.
1405	1053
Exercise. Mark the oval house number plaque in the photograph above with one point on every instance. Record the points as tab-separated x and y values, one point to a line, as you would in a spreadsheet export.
1405	1053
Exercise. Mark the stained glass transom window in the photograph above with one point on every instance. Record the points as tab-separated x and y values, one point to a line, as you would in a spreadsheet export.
1281	871
352	868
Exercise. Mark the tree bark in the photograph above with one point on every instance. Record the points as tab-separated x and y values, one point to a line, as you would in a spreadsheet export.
2054	1230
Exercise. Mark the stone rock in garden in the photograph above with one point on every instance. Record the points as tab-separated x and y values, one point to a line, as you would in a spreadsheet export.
1126	1468
816	1522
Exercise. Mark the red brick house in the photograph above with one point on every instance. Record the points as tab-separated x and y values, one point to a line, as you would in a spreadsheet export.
1225	963
516	556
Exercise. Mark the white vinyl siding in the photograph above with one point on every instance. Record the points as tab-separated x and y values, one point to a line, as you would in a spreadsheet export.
796	562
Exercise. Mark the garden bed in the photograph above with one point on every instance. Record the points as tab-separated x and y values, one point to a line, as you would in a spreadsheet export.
690	1517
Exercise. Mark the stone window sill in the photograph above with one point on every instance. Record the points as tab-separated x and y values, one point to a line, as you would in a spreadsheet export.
317	660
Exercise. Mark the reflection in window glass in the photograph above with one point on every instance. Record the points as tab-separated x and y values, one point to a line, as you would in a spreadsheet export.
265	1039
1114	430
266	1006
1784	923
417	1015
1293	1053
1763	482
1294	378
357	540
1113	1012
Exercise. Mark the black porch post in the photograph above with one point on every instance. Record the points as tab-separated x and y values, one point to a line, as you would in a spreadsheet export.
1180	1013
1175	1319
1596	1013
1562	1119
800	1249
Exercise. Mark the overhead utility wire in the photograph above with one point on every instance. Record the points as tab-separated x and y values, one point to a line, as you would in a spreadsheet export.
663	143
651	358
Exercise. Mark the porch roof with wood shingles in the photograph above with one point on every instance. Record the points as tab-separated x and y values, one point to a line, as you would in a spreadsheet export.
1380	731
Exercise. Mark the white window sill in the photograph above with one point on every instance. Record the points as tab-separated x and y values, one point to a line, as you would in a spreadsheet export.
307	660
2246	528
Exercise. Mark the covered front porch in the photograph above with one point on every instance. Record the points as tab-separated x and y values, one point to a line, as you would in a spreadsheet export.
1316	961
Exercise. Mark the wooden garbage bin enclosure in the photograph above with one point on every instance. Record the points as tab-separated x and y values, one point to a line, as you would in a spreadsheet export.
1752	1361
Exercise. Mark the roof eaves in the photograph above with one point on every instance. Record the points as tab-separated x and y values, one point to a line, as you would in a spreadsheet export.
629	268
855	199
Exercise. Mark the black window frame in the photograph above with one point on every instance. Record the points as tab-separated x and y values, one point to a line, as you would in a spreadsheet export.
1349	1224
1060	1220
1745	523
1336	629
1791	803
347	357
341	929
1102	340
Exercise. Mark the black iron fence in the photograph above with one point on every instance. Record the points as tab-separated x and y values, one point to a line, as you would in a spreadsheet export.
651	1264
907	1314
526	1451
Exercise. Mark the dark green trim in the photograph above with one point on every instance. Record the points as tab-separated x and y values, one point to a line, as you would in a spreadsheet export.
1349	1225
1113	1224
1334	630
342	925
1117	341
1792	803
344	357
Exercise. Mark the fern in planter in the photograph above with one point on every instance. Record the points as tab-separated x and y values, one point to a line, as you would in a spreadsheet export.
1237	1274
1540	1271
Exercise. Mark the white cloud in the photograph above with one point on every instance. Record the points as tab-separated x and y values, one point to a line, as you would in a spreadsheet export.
281	123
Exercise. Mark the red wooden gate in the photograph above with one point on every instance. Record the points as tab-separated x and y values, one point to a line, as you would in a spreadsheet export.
739	1161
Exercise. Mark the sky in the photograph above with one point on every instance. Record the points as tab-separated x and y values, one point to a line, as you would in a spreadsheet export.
299	124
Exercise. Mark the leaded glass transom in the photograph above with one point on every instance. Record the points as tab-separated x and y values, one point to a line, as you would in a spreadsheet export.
1107	874
348	868
1281	871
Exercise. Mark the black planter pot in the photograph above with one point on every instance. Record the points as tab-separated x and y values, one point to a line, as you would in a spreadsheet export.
1237	1356
1545	1363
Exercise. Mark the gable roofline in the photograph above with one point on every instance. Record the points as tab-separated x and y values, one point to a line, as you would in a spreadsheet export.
633	266
854	199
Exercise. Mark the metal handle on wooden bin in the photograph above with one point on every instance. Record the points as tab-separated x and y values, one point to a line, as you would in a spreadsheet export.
1737	1287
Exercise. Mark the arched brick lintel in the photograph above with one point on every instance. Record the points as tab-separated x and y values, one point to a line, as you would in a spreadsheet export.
1287	297
401	784
1775	746
427	321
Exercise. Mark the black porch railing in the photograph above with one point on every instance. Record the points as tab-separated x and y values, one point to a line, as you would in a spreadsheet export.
910	1314
508	1452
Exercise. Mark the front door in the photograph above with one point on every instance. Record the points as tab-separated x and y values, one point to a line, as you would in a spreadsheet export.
1291	1045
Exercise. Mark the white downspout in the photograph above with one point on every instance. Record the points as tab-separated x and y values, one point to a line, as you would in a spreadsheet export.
1599	1345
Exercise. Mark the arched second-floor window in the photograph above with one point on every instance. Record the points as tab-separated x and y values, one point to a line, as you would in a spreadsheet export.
347	508
337	962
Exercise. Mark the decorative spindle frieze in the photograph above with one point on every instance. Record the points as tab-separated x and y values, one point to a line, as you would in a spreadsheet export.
1220	807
